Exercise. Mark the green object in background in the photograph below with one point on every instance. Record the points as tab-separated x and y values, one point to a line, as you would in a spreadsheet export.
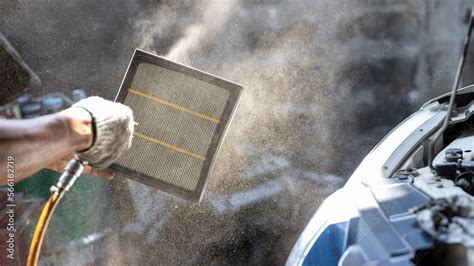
84	210
38	185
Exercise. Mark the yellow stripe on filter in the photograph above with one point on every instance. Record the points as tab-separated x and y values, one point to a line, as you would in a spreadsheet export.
170	146
173	105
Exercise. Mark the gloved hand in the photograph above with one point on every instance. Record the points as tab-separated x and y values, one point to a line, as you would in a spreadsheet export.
113	127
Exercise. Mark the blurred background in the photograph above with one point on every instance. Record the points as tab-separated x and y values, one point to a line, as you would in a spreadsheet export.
324	82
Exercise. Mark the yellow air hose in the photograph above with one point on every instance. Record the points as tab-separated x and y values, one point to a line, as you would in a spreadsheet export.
41	226
67	179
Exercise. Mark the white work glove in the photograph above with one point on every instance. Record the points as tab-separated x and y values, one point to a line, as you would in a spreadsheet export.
113	131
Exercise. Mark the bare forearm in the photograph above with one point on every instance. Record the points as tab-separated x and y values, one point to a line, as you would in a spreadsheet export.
35	143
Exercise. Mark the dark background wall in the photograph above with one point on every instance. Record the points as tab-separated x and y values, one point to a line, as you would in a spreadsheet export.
325	80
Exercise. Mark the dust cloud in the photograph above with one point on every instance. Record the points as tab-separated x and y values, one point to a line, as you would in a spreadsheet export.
215	15
279	159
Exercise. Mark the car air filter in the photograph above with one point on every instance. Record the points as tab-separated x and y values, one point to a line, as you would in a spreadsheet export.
182	115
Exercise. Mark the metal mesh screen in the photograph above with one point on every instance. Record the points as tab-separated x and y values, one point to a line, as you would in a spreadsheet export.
182	115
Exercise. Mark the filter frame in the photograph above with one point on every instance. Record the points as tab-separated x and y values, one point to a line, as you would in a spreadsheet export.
235	92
